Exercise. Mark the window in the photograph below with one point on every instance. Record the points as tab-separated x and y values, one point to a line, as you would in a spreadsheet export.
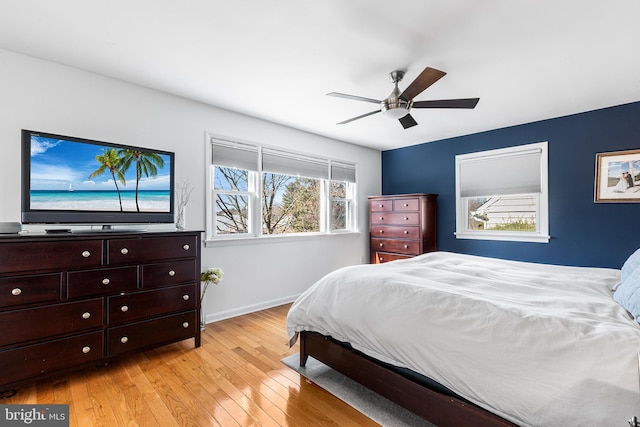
342	196
502	194
259	191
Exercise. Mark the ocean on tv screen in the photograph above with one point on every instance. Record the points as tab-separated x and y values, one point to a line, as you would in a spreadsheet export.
83	200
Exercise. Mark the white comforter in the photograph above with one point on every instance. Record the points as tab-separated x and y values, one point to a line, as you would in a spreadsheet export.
539	345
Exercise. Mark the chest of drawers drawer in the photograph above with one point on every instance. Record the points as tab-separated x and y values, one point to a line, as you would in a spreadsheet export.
127	251
409	218
409	247
169	273
18	326
136	336
20	290
141	305
392	231
408	204
381	205
101	282
37	256
381	257
28	361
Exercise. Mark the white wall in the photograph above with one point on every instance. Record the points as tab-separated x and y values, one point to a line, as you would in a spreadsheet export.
48	97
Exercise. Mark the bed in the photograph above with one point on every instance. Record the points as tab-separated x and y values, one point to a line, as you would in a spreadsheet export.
461	339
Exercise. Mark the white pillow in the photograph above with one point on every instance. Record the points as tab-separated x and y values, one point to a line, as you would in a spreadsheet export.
630	265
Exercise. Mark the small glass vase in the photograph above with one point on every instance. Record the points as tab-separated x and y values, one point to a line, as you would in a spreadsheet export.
203	317
181	219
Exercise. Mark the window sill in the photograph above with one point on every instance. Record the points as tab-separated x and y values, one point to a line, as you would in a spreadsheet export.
240	241
508	237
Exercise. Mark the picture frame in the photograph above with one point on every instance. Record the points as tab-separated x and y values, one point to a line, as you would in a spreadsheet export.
617	177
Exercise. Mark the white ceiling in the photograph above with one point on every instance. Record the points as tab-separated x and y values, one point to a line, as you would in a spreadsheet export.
525	59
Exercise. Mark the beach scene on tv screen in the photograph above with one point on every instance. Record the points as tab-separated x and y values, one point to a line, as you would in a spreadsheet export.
75	176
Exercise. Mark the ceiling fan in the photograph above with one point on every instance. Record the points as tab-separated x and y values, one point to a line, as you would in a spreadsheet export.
398	105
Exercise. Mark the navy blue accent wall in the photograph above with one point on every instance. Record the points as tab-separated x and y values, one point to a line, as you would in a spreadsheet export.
582	232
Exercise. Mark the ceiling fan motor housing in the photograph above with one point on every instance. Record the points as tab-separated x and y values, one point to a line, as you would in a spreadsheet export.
395	107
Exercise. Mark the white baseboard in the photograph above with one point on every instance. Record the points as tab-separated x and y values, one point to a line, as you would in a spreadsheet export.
227	314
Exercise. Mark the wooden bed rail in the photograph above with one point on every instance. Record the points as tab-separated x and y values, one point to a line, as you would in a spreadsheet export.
433	406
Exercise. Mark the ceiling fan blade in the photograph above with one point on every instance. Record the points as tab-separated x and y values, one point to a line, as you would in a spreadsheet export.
447	103
407	121
354	97
359	117
428	77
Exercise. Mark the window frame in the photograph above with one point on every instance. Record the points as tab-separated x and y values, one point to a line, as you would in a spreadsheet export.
541	235
255	187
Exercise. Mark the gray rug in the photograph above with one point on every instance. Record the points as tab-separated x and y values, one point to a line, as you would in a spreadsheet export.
381	410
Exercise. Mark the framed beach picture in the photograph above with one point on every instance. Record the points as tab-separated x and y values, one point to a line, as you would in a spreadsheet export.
618	177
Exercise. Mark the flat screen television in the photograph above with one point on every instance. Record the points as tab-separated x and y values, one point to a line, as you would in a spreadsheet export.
69	180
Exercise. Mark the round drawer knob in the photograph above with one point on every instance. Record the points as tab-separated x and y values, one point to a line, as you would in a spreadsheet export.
406	246
124	340
185	325
185	297
86	349
381	206
381	231
86	315
406	205
185	247
16	292
86	254
124	251
172	273
406	232
124	308
106	281
406	218
382	245
381	259
381	218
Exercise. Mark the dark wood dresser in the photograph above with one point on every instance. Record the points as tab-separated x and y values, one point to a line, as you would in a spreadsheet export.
76	299
401	226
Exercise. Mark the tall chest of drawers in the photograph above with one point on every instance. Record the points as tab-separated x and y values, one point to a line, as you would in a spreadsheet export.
76	299
401	226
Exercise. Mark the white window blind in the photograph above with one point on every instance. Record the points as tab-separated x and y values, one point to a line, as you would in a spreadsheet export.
287	164
235	155
500	174
343	172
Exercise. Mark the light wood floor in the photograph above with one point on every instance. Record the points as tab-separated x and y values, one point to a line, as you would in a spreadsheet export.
234	379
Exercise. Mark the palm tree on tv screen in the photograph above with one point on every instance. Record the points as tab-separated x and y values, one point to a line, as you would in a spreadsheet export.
110	161
146	162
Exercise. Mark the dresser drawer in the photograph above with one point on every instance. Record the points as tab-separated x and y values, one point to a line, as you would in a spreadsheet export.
381	205
129	251
169	273
412	218
408	204
33	323
29	361
143	305
101	282
58	255
381	257
30	289
409	247
153	332
390	231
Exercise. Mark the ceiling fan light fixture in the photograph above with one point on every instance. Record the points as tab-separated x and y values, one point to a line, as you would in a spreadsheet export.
395	108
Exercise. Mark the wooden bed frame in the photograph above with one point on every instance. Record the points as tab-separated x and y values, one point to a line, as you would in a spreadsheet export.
434	406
